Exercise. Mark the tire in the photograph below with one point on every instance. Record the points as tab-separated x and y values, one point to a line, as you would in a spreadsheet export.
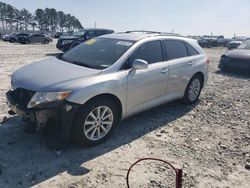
193	90
90	132
45	41
12	40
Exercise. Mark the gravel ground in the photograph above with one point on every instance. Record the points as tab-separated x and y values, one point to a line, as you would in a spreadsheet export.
209	140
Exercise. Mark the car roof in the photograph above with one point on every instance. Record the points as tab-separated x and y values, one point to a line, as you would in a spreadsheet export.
88	29
139	36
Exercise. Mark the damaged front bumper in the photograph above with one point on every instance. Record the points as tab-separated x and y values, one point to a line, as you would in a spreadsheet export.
62	112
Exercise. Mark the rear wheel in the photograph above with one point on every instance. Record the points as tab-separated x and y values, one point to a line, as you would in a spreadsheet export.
12	40
96	121
193	90
45	41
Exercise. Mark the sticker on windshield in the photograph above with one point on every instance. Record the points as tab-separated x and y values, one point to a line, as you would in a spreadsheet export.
124	43
90	42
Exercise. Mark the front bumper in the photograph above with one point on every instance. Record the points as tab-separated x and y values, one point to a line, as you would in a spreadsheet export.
62	113
235	65
63	47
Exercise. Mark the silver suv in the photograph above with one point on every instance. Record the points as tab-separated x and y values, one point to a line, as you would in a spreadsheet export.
90	88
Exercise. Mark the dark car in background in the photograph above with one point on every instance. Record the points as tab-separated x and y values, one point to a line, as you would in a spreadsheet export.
234	44
6	37
67	42
35	38
237	60
212	41
57	34
15	37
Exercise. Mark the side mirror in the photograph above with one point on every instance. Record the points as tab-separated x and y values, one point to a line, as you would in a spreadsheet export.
139	64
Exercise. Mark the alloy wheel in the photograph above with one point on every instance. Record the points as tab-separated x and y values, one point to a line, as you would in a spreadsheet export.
98	123
194	89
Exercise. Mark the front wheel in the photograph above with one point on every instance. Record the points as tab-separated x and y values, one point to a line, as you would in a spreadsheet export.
95	122
193	90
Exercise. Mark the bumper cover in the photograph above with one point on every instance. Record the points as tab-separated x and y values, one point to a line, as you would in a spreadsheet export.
235	65
64	113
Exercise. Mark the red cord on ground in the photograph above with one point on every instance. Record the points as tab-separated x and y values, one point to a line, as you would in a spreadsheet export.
177	171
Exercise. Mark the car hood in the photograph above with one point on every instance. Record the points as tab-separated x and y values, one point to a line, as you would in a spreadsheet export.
6	36
50	75
238	53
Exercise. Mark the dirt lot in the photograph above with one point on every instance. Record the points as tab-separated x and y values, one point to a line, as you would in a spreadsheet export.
210	140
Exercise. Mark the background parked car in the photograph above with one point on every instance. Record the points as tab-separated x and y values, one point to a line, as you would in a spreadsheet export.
35	38
237	60
67	42
212	41
7	36
234	44
57	34
15	37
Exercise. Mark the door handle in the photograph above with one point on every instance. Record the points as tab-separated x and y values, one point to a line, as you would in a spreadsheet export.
190	62
163	71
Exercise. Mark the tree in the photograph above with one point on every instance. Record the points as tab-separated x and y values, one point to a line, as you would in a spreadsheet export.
39	18
3	11
61	19
53	21
48	19
26	17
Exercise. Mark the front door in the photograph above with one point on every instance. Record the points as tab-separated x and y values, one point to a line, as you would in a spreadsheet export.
146	88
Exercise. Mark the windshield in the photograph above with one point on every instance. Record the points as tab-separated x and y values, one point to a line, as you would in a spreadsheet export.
79	34
97	53
245	45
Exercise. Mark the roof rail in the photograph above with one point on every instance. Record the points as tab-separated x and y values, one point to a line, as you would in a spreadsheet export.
143	31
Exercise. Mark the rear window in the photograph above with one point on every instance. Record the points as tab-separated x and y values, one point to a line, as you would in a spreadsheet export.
175	49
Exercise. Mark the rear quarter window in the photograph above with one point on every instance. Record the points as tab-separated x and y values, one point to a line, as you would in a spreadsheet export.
191	50
175	49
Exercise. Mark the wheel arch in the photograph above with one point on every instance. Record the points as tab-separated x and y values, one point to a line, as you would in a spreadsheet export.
110	96
201	75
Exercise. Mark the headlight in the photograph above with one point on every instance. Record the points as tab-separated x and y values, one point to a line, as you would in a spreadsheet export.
47	97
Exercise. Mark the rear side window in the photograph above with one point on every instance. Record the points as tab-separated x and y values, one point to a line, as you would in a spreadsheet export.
150	52
175	49
191	50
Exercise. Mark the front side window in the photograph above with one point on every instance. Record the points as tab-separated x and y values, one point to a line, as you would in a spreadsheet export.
97	53
150	52
90	34
175	49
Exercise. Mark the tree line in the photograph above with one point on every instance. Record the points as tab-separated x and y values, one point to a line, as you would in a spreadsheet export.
48	19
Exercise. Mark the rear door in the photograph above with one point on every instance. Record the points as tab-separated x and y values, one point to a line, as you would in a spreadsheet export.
180	66
147	88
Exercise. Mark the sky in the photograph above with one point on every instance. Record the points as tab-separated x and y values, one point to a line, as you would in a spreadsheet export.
187	17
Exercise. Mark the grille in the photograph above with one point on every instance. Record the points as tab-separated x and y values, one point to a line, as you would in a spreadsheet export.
21	97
